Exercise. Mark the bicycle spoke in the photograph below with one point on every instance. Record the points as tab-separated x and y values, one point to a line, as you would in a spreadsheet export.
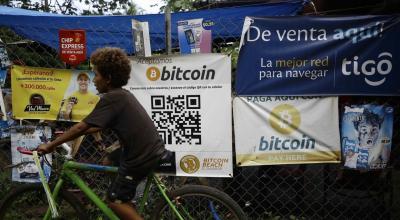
199	207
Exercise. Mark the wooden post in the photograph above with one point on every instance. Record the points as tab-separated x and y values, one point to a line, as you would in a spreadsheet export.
168	30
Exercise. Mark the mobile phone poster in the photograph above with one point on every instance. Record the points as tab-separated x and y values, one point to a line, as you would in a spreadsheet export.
195	36
52	94
366	133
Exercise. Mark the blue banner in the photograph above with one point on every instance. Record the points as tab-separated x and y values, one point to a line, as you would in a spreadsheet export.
319	56
116	30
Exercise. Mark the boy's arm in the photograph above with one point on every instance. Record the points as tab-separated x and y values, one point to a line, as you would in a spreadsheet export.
74	132
93	130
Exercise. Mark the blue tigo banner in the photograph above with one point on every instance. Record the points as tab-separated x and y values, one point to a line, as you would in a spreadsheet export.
319	56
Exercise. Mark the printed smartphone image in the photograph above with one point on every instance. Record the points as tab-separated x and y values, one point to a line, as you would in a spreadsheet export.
189	36
73	99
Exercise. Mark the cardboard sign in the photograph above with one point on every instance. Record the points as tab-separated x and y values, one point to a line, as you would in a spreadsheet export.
72	46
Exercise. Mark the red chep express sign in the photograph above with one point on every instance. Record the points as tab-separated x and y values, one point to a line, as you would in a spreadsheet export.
72	46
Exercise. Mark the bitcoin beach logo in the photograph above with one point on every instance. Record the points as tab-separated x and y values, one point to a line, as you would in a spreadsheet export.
189	164
285	118
153	73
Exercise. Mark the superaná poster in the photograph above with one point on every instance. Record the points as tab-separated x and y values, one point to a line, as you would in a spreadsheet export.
367	136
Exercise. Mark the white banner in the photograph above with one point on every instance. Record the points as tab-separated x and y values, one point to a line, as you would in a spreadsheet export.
286	130
29	138
189	100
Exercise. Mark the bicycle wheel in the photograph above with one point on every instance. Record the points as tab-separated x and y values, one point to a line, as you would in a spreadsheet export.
30	202
199	202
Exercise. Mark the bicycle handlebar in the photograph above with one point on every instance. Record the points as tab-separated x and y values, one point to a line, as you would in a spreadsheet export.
24	151
65	146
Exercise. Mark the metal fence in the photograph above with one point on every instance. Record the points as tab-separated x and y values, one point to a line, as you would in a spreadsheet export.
318	191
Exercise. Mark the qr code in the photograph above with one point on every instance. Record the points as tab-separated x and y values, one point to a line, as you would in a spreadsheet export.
177	118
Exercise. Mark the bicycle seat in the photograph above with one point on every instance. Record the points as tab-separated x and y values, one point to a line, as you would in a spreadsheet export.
166	164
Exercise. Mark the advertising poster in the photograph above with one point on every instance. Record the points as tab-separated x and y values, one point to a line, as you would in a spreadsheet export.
352	55
272	130
4	63
195	36
28	137
72	46
6	121
52	94
141	37
4	129
189	100
367	136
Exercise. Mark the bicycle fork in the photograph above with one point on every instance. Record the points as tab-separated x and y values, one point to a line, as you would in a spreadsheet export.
89	193
171	204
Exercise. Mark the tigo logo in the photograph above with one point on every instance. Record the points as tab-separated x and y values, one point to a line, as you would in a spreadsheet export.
285	118
177	73
369	67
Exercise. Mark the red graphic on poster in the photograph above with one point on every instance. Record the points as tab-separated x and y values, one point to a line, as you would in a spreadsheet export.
72	46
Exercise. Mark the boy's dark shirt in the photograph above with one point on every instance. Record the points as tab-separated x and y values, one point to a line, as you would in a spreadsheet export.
141	144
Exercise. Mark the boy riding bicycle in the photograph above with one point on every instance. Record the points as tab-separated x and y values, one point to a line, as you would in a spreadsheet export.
120	111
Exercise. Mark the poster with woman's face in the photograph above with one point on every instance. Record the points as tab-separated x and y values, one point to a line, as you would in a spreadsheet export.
366	135
52	94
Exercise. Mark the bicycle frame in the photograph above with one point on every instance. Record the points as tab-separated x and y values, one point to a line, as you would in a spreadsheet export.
69	173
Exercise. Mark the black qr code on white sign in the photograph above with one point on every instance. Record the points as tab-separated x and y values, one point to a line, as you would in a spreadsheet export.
177	118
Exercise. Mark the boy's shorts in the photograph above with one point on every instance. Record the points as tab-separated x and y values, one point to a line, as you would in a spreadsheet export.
122	189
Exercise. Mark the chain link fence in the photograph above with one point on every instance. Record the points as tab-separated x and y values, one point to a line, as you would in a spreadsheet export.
318	191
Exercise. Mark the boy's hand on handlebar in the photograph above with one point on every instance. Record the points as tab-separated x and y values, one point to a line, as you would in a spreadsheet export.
45	149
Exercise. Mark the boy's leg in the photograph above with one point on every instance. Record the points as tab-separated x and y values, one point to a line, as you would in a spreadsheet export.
120	195
125	211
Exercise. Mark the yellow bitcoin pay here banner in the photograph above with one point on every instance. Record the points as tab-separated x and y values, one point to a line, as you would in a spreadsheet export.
286	130
52	94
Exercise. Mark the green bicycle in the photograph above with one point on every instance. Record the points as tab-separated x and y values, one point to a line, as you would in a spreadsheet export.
29	201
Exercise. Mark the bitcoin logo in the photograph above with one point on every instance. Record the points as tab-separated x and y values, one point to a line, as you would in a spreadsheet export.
285	118
153	73
189	164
